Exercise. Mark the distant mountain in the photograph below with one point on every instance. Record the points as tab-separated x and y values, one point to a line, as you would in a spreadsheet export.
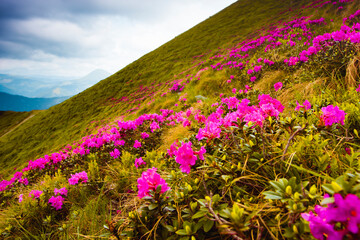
72	87
39	87
9	102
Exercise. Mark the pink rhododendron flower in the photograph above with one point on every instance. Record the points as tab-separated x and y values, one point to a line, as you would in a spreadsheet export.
231	102
119	143
61	191
278	86
56	202
173	149
306	105
210	131
201	153
250	71
257	68
358	89
268	109
137	144
154	126
253	78
24	181
255	117
150	180
343	210
332	114
35	194
264	99
185	157
115	153
75	178
21	198
144	135
138	162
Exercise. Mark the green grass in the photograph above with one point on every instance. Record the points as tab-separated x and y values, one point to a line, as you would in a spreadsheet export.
10	119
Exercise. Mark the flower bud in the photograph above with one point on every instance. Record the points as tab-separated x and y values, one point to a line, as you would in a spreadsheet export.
294	207
296	196
313	190
288	190
295	229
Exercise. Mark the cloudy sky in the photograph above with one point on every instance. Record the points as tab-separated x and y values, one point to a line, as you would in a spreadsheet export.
70	38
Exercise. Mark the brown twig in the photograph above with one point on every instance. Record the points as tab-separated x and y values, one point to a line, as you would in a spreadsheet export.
291	137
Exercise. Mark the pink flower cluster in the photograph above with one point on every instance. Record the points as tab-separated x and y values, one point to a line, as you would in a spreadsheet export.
139	162
344	210
332	114
61	191
35	194
75	178
278	86
306	105
137	144
56	202
115	153
185	155
149	181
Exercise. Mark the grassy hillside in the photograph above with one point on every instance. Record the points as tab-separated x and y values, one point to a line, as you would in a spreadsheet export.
9	119
70	120
244	127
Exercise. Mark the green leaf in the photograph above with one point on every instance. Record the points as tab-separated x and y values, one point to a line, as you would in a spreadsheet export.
181	232
152	206
199	214
272	195
158	189
208	225
169	228
105	235
328	188
327	200
225	177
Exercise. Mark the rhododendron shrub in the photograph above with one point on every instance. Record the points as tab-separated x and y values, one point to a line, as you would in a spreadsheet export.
338	219
75	178
115	153
332	114
137	144
186	156
150	180
278	86
139	162
56	202
62	191
306	105
35	194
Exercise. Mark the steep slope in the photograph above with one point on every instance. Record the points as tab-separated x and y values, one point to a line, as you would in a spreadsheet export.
256	139
56	127
9	119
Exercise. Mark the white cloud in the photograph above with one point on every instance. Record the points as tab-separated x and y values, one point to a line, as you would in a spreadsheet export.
5	80
77	44
57	91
